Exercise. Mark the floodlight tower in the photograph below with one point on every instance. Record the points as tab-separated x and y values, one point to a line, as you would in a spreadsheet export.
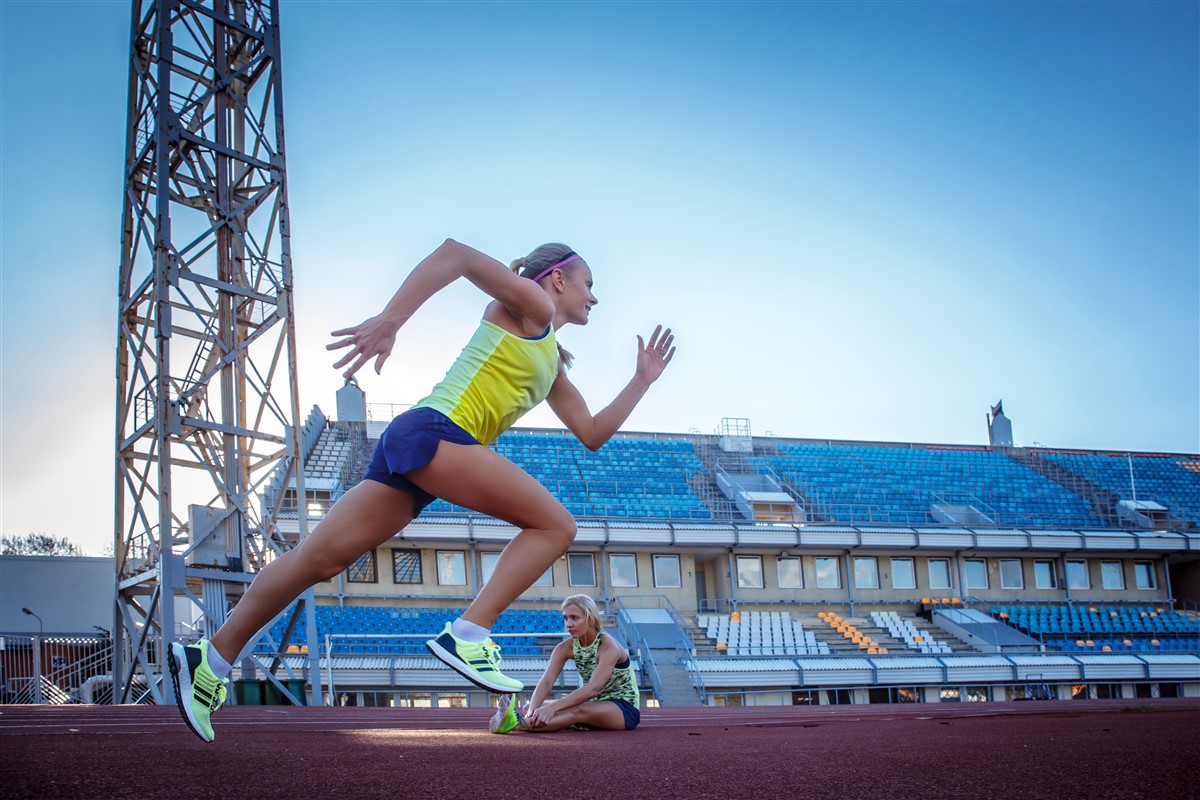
207	405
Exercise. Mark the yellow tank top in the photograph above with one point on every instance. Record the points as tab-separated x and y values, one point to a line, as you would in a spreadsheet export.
495	380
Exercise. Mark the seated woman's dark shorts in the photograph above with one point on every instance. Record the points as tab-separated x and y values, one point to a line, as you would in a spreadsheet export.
409	442
632	715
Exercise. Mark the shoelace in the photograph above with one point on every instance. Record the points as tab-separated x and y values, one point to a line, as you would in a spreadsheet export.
492	653
210	692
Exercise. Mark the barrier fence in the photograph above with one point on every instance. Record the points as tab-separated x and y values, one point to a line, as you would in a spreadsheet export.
59	669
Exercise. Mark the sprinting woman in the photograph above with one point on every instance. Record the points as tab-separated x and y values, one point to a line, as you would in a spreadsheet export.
608	698
437	449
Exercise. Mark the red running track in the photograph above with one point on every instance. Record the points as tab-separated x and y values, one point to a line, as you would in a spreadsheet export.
1082	750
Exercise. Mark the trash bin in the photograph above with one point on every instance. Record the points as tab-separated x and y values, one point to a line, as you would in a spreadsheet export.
248	692
295	687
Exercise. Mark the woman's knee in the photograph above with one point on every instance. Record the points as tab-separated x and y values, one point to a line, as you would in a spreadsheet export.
565	531
320	563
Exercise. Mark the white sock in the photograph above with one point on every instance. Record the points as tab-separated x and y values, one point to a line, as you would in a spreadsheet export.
217	663
468	631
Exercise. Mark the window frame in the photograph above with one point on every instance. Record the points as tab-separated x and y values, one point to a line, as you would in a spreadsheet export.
1104	571
967	564
1037	583
612	573
799	572
874	563
415	556
678	570
1150	571
912	573
462	559
737	565
945	563
372	571
591	557
1086	574
837	571
1020	573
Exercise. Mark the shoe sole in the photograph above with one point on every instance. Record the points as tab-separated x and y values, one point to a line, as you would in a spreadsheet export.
441	654
182	680
498	718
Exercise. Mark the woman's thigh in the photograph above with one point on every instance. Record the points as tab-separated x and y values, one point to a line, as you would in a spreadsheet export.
601	715
363	518
482	480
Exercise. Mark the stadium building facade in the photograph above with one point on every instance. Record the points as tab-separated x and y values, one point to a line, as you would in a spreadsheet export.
738	570
762	570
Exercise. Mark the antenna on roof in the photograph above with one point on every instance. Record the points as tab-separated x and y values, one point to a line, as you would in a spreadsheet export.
999	427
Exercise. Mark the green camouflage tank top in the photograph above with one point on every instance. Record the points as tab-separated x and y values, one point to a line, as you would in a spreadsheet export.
621	684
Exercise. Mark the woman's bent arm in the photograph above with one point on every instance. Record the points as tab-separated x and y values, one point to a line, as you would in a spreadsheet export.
609	656
374	337
593	431
557	659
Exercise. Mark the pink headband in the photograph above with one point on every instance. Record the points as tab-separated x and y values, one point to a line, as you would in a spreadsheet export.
548	270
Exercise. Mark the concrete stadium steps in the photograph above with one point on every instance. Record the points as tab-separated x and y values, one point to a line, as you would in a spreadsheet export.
677	689
839	644
328	456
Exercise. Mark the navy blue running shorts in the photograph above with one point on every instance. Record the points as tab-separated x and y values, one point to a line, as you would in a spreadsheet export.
632	715
409	442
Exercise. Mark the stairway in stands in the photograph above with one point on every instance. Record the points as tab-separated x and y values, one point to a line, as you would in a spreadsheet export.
1103	503
677	690
361	450
704	484
840	645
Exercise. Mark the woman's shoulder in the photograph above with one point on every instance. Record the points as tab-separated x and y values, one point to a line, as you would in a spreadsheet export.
609	642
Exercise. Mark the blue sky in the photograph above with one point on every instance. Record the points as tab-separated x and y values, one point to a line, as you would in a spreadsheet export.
863	220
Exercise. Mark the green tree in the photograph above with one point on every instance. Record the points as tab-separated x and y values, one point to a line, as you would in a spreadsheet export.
38	544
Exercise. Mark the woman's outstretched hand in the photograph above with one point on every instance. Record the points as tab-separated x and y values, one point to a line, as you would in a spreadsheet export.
372	338
653	358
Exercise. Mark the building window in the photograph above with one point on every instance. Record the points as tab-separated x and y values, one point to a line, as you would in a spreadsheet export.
581	569
790	574
1010	574
624	570
904	574
406	566
975	573
1111	575
939	573
749	572
1077	575
487	562
1143	573
828	574
1044	575
666	572
362	570
452	568
866	573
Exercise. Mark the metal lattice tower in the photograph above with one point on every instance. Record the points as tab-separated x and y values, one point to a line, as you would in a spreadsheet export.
207	401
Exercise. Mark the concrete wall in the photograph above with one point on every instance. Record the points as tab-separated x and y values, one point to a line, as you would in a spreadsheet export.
70	594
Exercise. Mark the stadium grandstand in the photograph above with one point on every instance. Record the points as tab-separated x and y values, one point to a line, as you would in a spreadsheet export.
751	570
761	570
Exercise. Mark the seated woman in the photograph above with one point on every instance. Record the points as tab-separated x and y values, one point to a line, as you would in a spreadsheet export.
608	699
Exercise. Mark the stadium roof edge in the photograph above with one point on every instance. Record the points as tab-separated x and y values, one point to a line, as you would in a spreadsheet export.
1037	448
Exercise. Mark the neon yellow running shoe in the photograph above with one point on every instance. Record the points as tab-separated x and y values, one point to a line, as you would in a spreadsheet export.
478	662
506	717
198	691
